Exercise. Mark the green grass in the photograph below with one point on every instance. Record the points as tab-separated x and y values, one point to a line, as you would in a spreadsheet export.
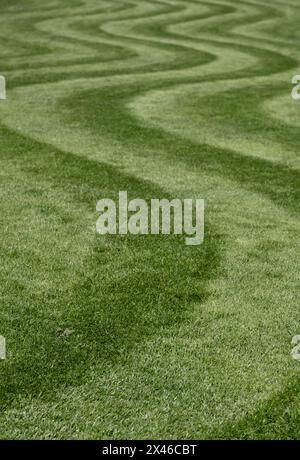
162	99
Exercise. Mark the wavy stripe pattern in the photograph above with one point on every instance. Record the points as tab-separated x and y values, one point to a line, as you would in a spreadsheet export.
160	98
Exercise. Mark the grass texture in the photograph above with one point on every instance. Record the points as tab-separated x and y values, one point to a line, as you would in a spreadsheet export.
163	99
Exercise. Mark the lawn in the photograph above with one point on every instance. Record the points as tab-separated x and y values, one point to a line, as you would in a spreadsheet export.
136	337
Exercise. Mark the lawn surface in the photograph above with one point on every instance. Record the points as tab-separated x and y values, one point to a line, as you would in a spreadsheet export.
163	99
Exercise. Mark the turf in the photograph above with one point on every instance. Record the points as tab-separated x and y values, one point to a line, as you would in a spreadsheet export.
162	99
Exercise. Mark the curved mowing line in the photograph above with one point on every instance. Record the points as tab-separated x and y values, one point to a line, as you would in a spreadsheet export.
160	58
275	61
278	182
100	307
